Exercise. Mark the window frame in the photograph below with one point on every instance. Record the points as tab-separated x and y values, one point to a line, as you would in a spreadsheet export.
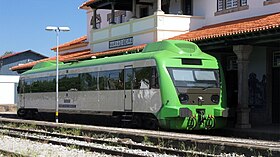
270	2
240	5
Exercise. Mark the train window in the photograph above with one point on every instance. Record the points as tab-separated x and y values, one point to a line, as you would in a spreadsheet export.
128	78
145	78
88	81
154	80
194	78
68	82
37	85
27	85
111	80
142	78
103	80
115	80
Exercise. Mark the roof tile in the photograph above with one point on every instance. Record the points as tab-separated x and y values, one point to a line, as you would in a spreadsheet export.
247	25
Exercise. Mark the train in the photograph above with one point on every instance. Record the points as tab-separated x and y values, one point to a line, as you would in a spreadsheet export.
170	84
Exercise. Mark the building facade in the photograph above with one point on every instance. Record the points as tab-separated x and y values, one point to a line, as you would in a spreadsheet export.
243	34
8	78
249	49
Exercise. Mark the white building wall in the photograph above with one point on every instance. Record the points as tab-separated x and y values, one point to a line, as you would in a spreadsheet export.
208	8
8	91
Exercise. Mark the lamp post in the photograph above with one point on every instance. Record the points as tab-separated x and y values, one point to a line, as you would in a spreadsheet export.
57	30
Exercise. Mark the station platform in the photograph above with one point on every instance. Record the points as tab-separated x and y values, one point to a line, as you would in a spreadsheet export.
269	132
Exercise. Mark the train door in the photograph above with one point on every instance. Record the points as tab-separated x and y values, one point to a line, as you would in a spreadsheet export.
276	88
128	79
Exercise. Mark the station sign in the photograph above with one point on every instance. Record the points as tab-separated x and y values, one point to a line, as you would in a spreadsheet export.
120	42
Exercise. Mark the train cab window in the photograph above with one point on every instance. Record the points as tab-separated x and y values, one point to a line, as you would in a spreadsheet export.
195	78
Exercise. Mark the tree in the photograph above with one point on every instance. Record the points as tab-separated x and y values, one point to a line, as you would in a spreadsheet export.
7	53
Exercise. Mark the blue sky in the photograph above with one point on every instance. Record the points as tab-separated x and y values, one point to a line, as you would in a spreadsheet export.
23	23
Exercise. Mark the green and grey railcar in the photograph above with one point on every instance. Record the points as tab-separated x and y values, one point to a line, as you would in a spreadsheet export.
170	83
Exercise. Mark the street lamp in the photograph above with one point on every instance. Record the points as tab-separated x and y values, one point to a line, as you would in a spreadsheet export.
57	30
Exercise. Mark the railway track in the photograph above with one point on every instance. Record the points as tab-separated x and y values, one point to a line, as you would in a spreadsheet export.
121	147
161	142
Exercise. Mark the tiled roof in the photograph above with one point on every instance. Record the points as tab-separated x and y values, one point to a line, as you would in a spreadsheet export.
80	55
17	53
76	42
247	25
62	58
84	5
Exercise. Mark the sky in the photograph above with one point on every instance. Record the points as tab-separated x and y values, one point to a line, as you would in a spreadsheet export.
23	23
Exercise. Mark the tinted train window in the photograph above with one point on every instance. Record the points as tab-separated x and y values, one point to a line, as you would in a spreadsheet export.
88	81
128	78
69	82
146	78
115	80
37	85
111	80
142	78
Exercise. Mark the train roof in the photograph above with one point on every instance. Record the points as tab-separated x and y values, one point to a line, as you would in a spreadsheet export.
156	50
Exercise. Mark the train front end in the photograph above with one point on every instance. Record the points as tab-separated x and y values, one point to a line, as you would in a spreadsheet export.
192	88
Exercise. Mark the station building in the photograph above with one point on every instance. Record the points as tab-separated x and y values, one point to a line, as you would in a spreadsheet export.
9	79
243	34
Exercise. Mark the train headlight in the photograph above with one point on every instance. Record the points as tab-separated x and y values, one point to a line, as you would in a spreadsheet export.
183	98
215	99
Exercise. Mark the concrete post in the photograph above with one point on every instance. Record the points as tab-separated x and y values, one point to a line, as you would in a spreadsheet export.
243	52
113	13
159	11
93	20
134	9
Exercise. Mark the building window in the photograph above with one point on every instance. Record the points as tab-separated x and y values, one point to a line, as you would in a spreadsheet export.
268	2
119	17
98	21
276	59
220	5
243	2
231	4
228	6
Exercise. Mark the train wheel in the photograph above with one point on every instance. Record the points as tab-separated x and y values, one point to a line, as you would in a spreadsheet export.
21	113
150	122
